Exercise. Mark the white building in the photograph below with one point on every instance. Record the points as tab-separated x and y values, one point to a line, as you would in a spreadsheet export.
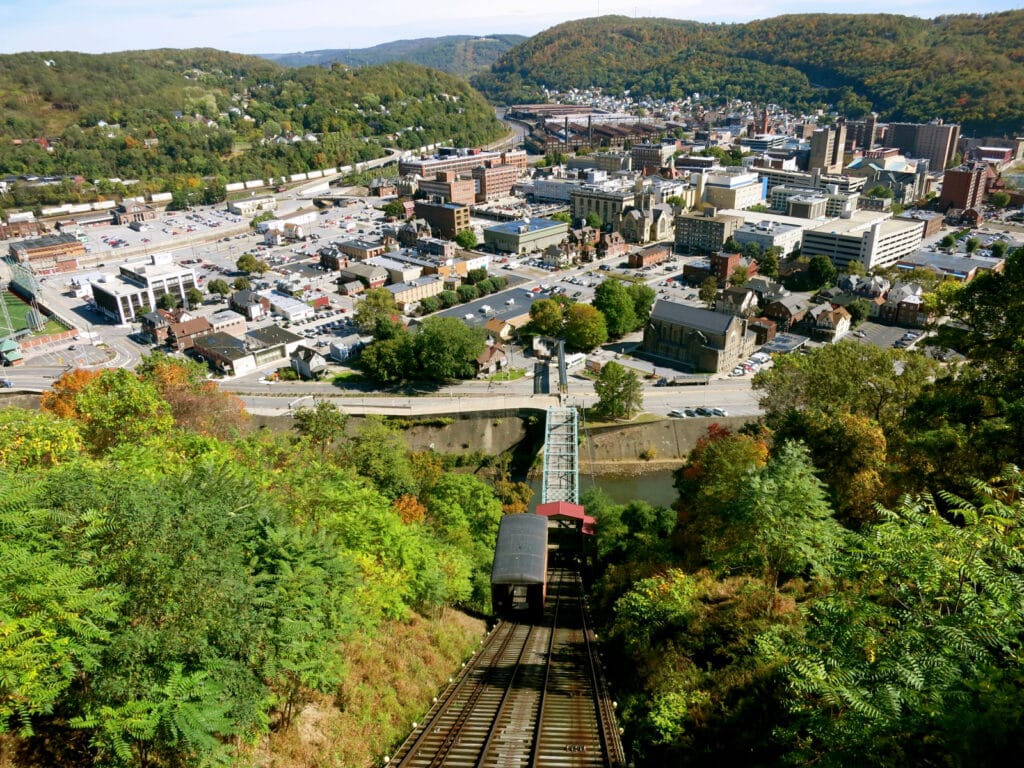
734	188
139	285
874	239
288	307
250	206
770	234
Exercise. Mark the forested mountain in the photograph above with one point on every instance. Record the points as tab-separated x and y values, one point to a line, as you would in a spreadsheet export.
965	68
171	114
456	54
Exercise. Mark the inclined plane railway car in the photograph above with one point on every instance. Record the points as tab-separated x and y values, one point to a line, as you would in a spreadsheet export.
559	532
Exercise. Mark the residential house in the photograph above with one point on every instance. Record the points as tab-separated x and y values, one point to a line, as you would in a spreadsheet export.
182	335
786	312
249	304
308	363
737	300
492	360
828	322
904	305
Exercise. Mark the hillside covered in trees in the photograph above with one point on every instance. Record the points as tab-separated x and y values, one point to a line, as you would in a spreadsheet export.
462	55
840	583
965	68
173	114
177	587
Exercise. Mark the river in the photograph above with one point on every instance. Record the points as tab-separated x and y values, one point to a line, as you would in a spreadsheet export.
655	487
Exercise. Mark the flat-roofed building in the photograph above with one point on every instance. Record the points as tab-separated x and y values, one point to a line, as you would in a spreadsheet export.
250	206
872	239
460	161
608	199
769	234
445	219
228	321
494	182
413	291
399	271
361	250
833	202
448	186
734	188
49	254
525	236
139	286
369	275
704	231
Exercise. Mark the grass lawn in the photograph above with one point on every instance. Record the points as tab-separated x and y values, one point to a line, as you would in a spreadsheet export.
18	311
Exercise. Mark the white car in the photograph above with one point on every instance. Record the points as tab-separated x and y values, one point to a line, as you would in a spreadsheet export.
738	372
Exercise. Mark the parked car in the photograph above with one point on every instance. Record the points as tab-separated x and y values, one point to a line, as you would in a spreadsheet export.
6	383
678	413
702	411
719	412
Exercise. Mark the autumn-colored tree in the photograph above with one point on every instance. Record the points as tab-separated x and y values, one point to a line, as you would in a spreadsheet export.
61	398
409	508
197	404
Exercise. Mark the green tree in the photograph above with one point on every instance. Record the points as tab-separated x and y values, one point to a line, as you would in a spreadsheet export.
466	239
118	408
447	348
467	293
643	297
251	265
389	360
999	199
998	249
821	271
546	317
708	292
475	276
394	209
429	305
55	613
195	297
947	241
768	262
448	298
323	424
377	303
219	286
973	244
619	391
594	220
859	309
168	301
912	659
379	453
781	525
585	327
739	276
614	302
241	284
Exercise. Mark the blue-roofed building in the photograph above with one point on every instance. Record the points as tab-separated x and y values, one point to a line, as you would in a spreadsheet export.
526	235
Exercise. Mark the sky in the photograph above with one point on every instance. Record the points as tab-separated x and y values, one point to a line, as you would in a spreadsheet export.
273	26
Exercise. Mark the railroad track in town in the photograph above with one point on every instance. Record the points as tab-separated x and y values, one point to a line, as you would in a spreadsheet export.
531	696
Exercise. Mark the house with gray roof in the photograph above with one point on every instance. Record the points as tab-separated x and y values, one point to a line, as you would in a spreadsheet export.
696	339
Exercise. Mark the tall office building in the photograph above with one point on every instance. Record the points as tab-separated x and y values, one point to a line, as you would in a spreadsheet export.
935	141
827	146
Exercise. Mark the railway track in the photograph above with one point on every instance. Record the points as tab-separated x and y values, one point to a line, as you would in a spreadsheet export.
532	696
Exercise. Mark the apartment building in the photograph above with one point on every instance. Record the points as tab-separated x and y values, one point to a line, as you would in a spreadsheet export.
935	141
827	148
704	232
734	188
